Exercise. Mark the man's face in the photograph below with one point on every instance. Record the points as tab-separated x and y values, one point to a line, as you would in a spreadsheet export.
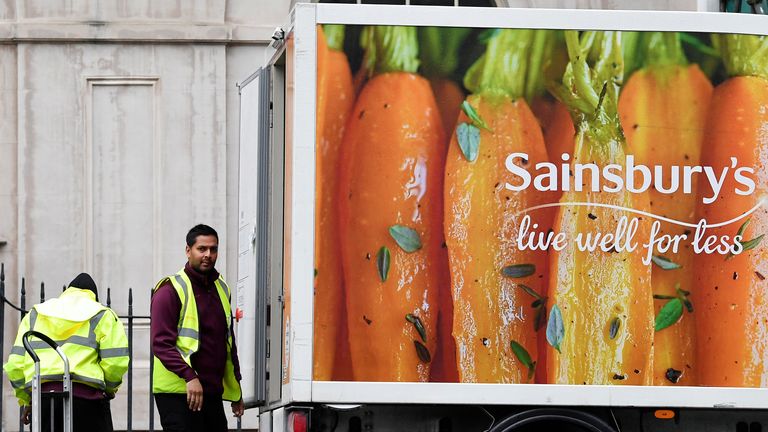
202	255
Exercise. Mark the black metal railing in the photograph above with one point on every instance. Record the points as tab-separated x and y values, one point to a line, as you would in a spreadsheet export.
131	320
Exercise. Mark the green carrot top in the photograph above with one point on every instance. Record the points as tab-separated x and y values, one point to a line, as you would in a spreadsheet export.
334	36
592	92
390	49
743	55
440	49
510	65
662	49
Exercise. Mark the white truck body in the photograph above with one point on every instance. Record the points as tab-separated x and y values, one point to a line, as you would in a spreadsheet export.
277	226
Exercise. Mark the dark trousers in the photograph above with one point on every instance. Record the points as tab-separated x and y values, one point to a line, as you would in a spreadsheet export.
175	415
87	415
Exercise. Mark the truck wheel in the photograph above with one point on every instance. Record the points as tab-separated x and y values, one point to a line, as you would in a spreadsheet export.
554	418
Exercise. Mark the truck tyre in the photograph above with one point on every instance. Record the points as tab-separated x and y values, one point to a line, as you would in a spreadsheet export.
580	420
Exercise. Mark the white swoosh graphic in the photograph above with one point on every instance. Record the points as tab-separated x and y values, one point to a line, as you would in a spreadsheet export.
640	212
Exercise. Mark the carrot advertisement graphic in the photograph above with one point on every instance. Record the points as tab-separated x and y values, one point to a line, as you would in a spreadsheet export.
391	218
592	212
497	289
334	102
652	119
731	297
600	327
439	52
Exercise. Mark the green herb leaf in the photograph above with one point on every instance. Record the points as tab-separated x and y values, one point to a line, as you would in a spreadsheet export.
522	354
688	305
315	272
519	271
683	296
469	140
540	318
422	352
382	263
664	263
407	238
747	245
614	330
413	319
663	297
536	303
530	291
673	375
555	329
531	371
470	111
743	227
669	314
751	244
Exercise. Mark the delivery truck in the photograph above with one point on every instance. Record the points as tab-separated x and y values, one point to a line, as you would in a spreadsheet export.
478	219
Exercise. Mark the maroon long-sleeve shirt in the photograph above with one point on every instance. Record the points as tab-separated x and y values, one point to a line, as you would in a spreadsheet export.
210	359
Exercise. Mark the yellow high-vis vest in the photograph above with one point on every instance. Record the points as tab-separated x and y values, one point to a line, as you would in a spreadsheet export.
188	340
89	333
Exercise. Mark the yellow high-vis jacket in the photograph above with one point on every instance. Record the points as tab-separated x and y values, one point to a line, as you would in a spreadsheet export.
90	334
188	341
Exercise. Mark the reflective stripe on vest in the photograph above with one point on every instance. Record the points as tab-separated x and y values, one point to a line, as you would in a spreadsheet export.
89	342
188	340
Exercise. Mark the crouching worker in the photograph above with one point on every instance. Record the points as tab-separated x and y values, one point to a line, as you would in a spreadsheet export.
93	339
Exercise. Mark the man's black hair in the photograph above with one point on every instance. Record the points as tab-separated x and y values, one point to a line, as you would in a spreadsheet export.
200	230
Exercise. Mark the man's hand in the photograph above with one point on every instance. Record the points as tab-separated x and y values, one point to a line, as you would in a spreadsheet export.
238	408
195	395
26	416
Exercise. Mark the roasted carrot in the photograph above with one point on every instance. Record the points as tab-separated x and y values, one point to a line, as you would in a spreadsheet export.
439	54
556	125
449	96
360	78
334	102
389	195
731	295
663	109
494	322
550	58
600	326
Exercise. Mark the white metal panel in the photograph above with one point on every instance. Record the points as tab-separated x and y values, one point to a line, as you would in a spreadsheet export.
245	294
541	18
302	205
677	5
539	394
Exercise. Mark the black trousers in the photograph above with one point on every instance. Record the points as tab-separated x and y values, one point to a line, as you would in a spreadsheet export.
87	415
175	415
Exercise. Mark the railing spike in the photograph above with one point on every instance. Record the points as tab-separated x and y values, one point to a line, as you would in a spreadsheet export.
42	292
23	295
109	297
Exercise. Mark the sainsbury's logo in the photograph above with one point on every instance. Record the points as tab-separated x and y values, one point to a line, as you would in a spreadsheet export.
635	178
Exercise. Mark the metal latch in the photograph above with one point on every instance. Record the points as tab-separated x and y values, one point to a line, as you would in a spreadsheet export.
278	37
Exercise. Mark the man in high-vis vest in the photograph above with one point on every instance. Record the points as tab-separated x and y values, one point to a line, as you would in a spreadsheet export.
193	342
93	339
